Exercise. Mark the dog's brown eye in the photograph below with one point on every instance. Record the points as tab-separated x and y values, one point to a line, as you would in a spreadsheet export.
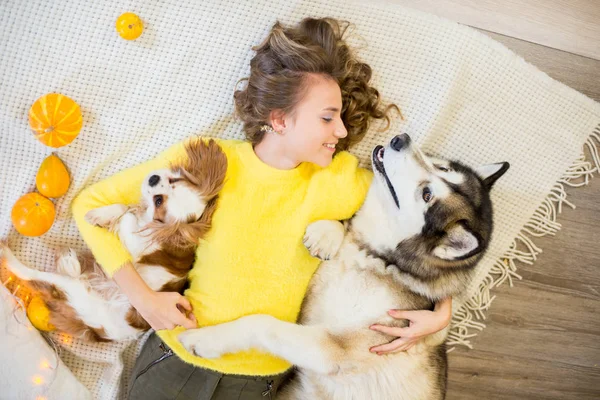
427	195
173	180
158	200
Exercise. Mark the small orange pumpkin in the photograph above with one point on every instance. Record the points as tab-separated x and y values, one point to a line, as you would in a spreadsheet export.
55	119
39	315
129	26
33	214
52	179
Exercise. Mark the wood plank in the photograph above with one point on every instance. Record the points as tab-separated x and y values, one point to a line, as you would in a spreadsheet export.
486	375
572	26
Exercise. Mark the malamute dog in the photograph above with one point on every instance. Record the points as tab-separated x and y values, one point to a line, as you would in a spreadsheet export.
423	227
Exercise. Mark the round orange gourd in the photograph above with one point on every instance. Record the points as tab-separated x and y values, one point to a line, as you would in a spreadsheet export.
39	315
33	214
55	119
52	179
129	26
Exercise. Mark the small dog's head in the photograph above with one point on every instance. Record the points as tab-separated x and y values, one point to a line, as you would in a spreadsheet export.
430	213
171	197
179	201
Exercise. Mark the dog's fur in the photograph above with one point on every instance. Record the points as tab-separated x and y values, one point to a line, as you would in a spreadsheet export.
423	227
161	233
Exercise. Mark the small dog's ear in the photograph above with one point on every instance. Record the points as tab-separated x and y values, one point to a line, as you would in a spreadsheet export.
205	166
458	243
490	173
184	235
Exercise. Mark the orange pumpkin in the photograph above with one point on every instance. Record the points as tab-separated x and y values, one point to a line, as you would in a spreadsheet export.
129	26
55	119
33	214
52	179
39	315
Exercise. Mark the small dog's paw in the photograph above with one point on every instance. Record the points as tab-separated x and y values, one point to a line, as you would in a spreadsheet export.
67	263
106	216
202	342
324	238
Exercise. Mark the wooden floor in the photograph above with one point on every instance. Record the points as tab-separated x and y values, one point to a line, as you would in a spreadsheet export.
542	339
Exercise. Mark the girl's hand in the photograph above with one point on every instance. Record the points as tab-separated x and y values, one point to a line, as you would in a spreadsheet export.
162	310
166	310
421	324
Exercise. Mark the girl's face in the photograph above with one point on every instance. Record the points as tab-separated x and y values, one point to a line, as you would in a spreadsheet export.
310	133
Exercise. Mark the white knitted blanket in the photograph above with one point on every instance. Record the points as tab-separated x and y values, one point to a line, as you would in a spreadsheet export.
462	94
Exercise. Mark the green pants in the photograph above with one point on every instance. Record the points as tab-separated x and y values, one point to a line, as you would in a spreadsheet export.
160	374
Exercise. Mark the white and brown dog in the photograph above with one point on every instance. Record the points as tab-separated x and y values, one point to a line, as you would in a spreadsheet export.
161	233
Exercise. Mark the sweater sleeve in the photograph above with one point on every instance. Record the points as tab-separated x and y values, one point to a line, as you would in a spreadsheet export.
338	191
121	188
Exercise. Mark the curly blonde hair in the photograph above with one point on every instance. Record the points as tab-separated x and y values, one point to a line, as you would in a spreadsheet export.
279	78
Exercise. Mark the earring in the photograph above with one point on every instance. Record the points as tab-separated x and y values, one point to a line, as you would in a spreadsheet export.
268	129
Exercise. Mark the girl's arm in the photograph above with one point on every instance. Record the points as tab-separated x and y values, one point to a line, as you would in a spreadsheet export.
421	324
339	190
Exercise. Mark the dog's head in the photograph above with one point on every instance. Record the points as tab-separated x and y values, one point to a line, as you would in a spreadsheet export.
179	201
171	197
428	214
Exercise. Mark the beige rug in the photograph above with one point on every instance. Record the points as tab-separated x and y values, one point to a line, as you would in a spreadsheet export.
462	94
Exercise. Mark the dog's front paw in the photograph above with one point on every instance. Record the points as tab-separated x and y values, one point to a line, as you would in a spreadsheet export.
203	342
107	216
324	238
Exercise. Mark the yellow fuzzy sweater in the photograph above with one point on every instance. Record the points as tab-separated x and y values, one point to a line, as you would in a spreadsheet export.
253	259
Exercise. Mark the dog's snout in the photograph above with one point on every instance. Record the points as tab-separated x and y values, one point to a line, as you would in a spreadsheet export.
400	142
153	181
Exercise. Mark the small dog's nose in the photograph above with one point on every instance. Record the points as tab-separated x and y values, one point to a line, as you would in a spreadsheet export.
154	179
399	142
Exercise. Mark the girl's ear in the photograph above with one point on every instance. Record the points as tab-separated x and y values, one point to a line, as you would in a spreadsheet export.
277	120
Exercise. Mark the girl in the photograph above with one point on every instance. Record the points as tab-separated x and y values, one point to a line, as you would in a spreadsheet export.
306	99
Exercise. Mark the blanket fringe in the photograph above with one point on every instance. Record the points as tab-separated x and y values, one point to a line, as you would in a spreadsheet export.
466	320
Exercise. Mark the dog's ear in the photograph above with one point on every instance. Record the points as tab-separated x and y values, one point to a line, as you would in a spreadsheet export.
183	235
188	234
490	173
205	166
458	243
